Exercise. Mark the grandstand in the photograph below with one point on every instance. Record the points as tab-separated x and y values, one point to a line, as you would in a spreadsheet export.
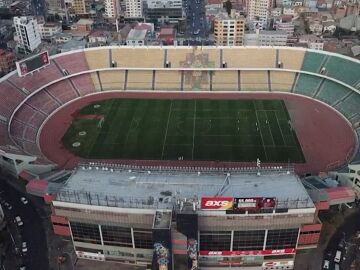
32	101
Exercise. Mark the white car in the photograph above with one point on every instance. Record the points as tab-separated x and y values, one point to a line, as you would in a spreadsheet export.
19	221
326	264
24	200
24	248
8	206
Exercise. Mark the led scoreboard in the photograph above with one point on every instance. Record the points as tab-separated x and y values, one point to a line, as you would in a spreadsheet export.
32	63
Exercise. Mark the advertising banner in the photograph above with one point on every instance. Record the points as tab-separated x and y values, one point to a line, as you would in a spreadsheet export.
216	203
248	252
254	203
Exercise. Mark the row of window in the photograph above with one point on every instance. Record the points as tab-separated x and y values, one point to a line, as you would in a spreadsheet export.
248	240
112	235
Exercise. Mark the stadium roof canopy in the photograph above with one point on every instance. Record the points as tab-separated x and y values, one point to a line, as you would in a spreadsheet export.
145	189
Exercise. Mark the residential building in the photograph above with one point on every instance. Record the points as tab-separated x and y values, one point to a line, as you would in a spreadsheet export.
83	25
62	38
47	30
276	12
112	8
315	26
266	38
285	23
259	11
229	29
7	61
79	7
27	34
73	44
312	42
99	38
164	11
136	37
134	9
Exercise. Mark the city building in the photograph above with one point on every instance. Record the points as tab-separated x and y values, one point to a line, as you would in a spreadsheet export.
258	12
312	42
253	219
163	11
7	61
99	38
266	38
285	23
229	29
136	37
75	43
83	25
167	35
79	7
28	36
134	9
47	30
112	8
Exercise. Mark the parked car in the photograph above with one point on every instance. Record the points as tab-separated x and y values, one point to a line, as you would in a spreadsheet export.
8	206
24	248
326	264
19	221
24	200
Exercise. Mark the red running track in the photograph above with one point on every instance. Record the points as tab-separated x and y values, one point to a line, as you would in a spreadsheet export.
326	138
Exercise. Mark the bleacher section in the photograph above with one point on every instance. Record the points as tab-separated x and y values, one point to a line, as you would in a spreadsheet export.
291	59
73	63
132	57
84	84
99	58
254	81
331	92
112	80
4	137
350	105
313	61
225	81
43	102
342	69
281	81
10	98
240	57
139	80
29	116
167	80
307	84
62	91
37	79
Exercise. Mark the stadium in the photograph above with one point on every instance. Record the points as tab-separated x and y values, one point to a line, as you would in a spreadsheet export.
207	115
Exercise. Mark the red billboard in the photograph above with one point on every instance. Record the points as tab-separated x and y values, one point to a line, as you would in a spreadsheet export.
216	203
248	252
254	203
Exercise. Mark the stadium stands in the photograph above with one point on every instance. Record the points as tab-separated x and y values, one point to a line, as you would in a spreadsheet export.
132	57
98	58
350	105
313	61
167	80
62	91
330	92
83	83
291	59
139	80
225	80
307	84
29	117
281	81
342	69
239	57
254	81
112	79
10	98
43	102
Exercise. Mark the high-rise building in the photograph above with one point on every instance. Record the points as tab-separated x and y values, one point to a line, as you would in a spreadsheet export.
229	29
27	34
259	11
134	9
79	6
112	8
161	11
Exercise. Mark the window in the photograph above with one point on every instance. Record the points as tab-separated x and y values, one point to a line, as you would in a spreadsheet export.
143	238
116	236
285	238
83	232
248	240
215	240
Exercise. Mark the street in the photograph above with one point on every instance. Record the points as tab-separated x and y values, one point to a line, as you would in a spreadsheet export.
32	231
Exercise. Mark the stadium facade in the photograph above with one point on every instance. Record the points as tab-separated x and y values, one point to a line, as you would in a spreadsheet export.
248	218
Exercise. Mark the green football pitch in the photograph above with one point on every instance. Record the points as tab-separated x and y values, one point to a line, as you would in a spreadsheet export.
201	129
